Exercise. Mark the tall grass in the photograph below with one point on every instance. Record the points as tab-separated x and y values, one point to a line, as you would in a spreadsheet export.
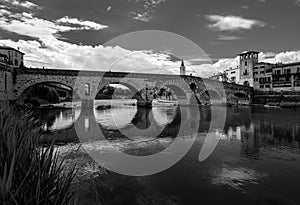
30	174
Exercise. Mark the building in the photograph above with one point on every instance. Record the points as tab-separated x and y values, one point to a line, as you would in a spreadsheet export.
233	75
262	74
11	56
182	69
248	60
286	77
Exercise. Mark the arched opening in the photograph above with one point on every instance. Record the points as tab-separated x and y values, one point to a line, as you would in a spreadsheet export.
170	93
116	105
51	104
242	98
246	83
87	89
193	87
44	93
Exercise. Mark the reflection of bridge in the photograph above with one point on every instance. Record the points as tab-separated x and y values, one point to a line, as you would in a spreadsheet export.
188	89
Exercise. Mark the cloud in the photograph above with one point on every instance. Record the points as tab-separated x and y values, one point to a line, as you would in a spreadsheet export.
282	57
148	10
4	12
26	24
108	8
228	38
21	4
83	24
262	1
141	17
297	2
232	23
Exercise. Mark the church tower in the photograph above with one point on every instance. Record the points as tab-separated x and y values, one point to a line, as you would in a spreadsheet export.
182	68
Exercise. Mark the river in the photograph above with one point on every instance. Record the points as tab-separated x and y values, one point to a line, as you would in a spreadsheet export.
256	159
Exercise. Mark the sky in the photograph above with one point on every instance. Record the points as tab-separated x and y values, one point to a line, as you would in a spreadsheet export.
150	36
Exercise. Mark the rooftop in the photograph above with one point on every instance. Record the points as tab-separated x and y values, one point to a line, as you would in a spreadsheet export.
248	52
10	48
280	65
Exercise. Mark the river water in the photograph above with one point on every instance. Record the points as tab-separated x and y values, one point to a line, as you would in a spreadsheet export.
256	156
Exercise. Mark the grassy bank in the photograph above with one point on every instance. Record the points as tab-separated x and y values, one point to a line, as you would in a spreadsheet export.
32	174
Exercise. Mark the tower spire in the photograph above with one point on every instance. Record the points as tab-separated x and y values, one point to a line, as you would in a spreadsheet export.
182	68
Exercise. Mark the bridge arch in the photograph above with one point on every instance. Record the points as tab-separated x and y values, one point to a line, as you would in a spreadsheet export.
182	90
134	88
32	80
28	87
239	97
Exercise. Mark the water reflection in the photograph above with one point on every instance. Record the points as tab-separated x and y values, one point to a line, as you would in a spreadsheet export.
255	162
253	127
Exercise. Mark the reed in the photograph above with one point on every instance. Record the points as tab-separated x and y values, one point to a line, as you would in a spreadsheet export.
30	174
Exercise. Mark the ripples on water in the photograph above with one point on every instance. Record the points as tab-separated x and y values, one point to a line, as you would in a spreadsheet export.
255	162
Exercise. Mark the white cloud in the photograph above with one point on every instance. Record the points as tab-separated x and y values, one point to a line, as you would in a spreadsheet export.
52	52
232	23
83	24
21	4
228	38
26	24
108	8
141	17
4	12
282	57
148	10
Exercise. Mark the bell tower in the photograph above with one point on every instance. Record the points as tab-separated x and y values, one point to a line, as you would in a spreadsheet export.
182	68
247	61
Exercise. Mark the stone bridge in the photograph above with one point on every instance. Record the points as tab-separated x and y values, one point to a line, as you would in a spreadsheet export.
189	90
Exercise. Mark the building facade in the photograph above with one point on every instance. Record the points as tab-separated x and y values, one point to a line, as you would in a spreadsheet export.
247	61
11	56
286	77
262	74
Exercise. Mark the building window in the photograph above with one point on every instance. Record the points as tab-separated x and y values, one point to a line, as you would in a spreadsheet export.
246	63
261	86
277	72
268	86
5	81
255	79
87	89
287	71
262	72
16	62
298	70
